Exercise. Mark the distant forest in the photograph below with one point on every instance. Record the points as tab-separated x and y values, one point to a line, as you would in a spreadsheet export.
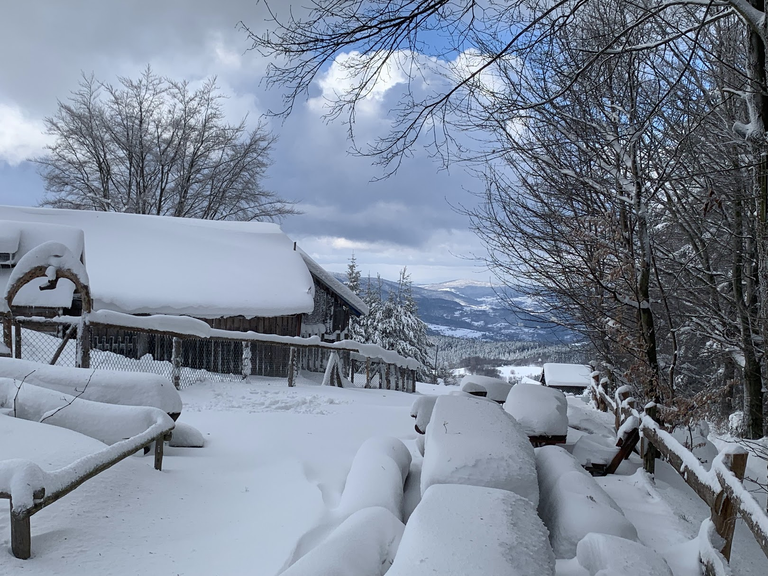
479	354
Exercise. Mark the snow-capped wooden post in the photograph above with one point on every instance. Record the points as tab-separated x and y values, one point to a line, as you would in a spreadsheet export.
292	355
21	535
725	512
176	363
622	394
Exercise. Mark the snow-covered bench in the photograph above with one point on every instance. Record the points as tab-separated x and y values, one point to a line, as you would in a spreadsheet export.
30	488
541	411
461	530
107	386
496	389
473	441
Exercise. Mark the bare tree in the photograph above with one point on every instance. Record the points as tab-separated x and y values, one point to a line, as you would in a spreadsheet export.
156	146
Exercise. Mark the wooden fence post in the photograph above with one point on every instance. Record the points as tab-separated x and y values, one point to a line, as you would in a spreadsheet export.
159	452
367	372
292	367
7	329
620	397
650	452
176	363
245	364
724	513
83	345
16	340
388	377
21	538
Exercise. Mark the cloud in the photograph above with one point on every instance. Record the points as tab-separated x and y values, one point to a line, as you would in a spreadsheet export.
21	137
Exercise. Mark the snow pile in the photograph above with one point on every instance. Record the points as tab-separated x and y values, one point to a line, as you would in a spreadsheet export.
496	387
606	555
186	436
473	441
108	386
695	438
363	545
593	449
474	389
469	530
573	504
106	422
421	410
541	411
376	477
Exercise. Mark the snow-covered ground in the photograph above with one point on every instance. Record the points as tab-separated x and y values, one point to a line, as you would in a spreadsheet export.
267	486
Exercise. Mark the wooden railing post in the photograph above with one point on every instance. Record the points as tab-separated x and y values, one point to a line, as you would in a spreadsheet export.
83	345
159	442
7	329
724	512
21	537
367	372
650	453
620	397
388	377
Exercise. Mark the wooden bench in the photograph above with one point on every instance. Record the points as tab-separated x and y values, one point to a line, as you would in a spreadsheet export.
21	539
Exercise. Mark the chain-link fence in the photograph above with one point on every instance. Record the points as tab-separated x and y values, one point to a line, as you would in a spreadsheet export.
131	351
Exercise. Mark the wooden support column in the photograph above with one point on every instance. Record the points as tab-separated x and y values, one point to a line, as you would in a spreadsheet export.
292	367
367	372
388	377
21	537
724	512
352	369
413	381
176	363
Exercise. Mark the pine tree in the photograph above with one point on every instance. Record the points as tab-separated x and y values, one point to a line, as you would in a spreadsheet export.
353	275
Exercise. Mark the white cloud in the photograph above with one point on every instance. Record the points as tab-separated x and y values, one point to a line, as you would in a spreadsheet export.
21	137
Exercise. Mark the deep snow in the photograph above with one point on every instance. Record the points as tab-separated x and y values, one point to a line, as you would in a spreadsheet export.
266	488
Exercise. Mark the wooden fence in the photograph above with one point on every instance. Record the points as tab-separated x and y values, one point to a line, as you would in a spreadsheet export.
721	487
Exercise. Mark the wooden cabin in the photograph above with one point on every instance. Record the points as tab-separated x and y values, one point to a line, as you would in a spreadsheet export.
236	276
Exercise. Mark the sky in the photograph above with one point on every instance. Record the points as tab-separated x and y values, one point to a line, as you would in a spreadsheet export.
405	220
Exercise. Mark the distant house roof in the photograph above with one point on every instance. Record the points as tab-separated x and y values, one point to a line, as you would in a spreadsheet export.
567	375
162	265
351	299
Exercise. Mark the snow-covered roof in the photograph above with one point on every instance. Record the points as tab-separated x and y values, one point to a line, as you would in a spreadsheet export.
571	375
162	265
341	289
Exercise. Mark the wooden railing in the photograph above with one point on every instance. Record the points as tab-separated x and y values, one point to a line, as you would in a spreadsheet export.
31	489
721	487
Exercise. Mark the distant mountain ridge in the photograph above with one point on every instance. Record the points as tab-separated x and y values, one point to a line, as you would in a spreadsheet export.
472	309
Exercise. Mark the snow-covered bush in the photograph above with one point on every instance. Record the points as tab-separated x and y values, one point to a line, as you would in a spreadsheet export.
470	530
572	504
541	411
473	441
376	477
108	386
363	545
